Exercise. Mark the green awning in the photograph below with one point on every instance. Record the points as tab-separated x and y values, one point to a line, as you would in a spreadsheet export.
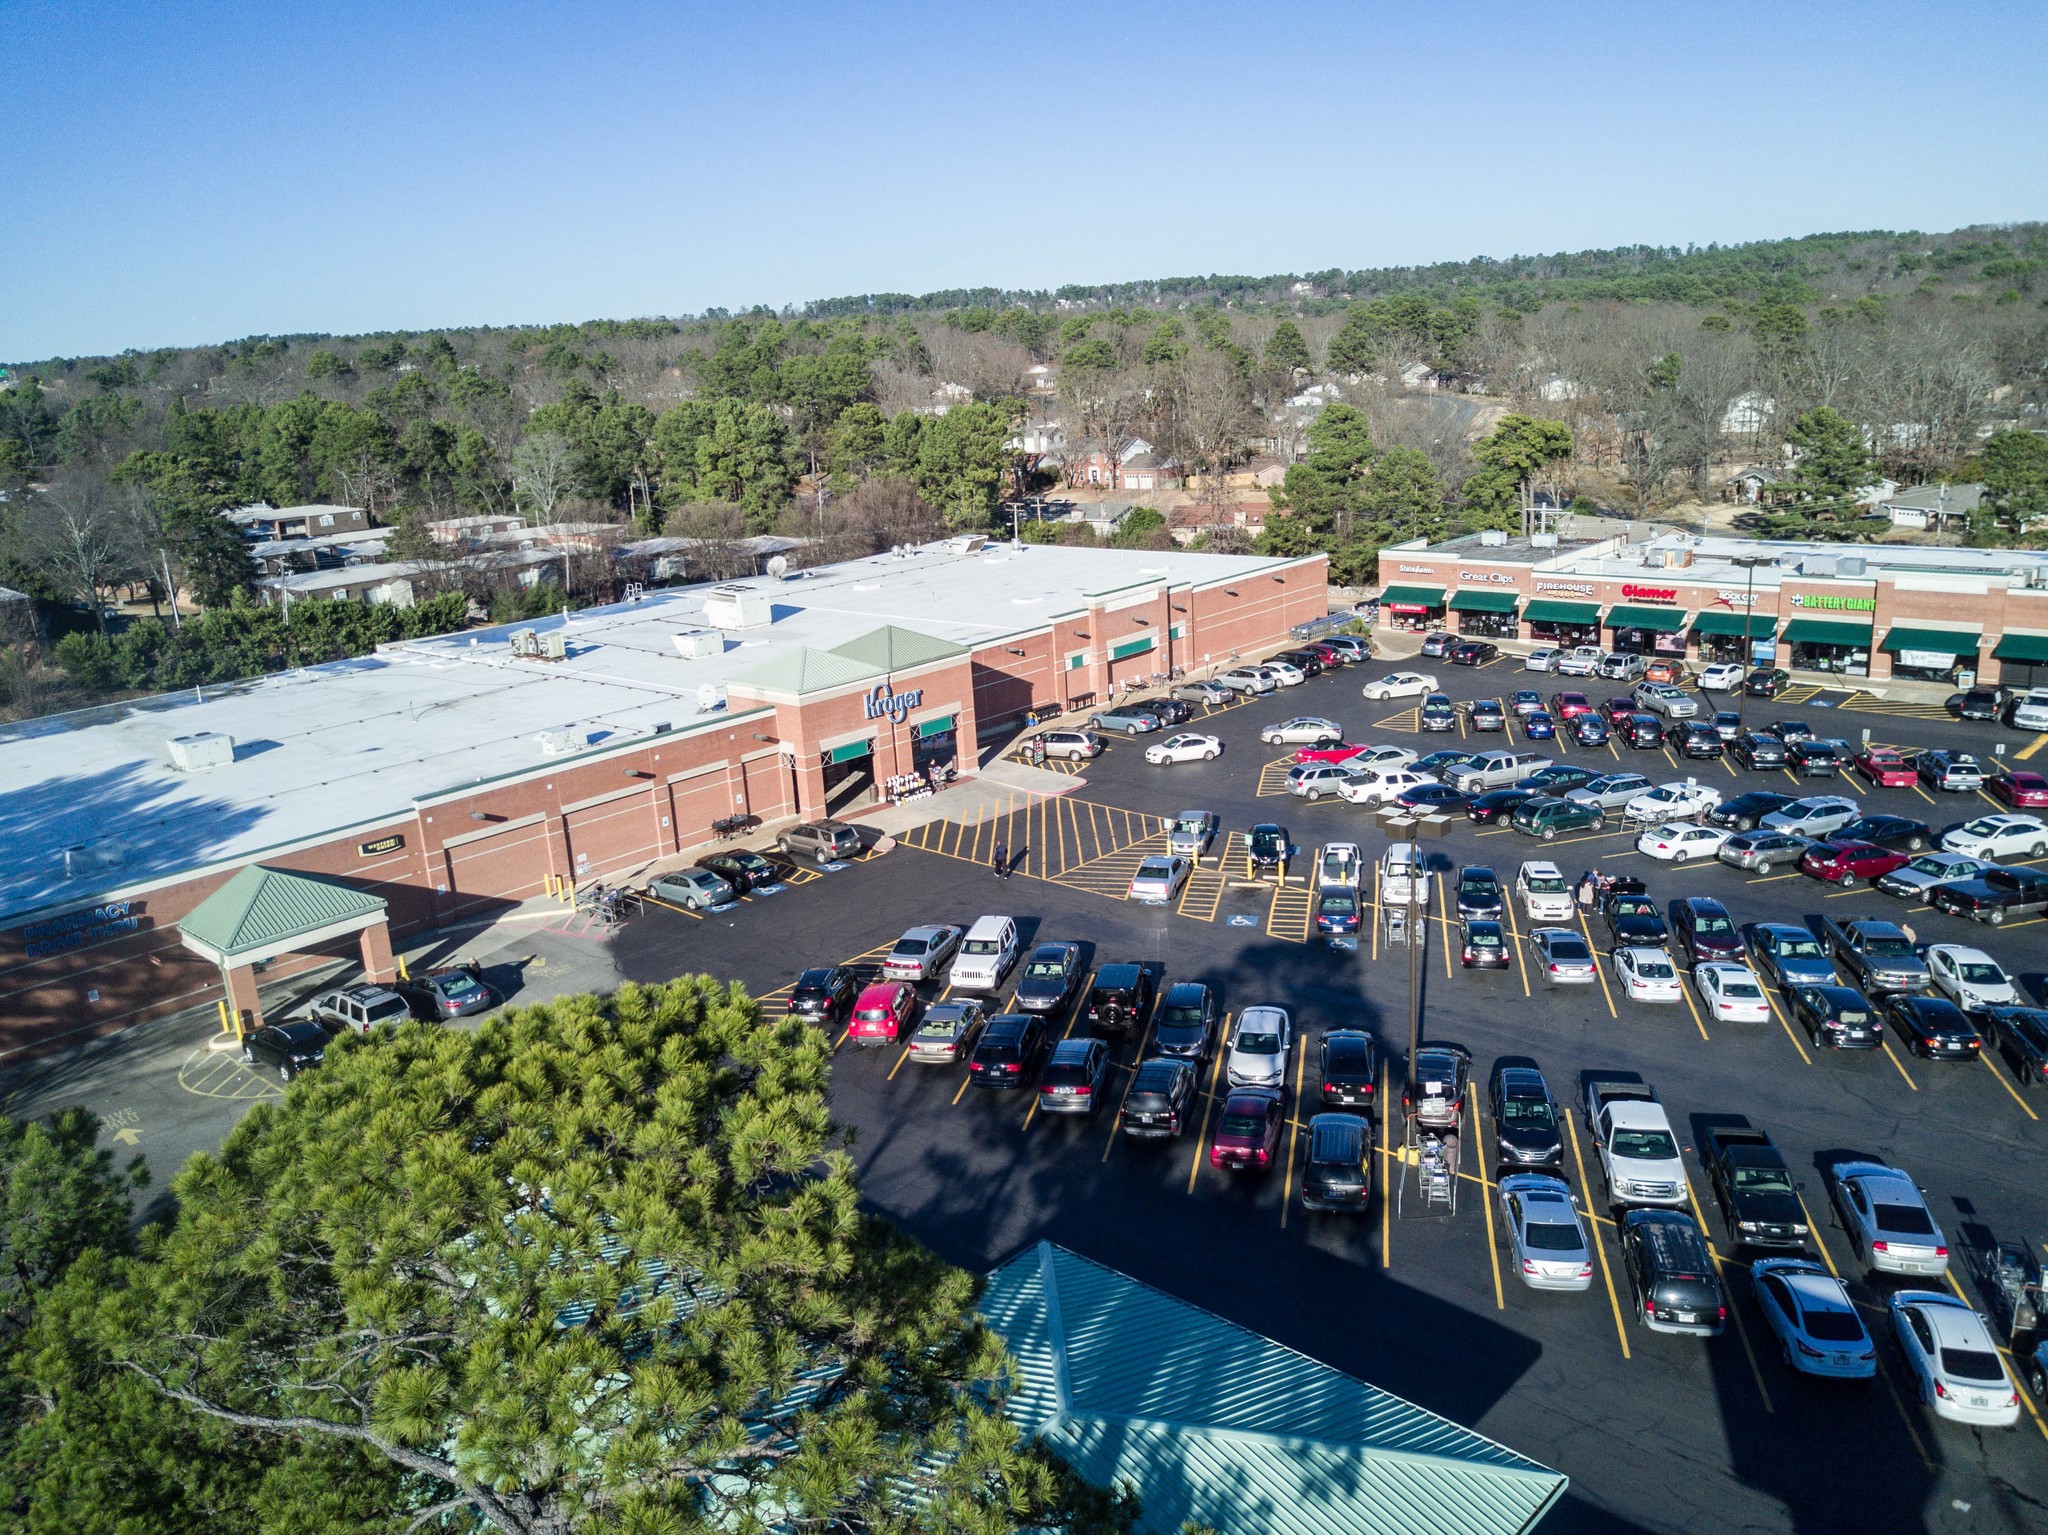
1414	596
1715	622
1942	642
1663	620
935	727
1484	602
1549	610
1827	631
1136	647
849	751
2030	649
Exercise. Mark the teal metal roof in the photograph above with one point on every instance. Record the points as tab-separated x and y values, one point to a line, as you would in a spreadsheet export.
801	670
261	908
1212	1422
891	649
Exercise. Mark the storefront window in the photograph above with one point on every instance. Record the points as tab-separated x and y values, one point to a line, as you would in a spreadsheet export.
1723	647
1565	635
1491	626
1650	642
1931	665
1845	660
1408	615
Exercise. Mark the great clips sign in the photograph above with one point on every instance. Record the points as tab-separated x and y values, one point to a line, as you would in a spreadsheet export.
1633	593
896	706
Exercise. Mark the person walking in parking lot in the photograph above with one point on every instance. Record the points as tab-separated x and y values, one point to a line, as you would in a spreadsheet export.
1001	862
1589	886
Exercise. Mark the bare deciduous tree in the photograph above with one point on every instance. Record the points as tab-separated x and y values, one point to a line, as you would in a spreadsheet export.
88	542
543	475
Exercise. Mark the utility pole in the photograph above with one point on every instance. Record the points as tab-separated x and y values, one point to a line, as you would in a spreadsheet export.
1416	935
1749	563
171	590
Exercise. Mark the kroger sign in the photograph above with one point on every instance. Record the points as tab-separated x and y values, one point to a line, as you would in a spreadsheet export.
896	705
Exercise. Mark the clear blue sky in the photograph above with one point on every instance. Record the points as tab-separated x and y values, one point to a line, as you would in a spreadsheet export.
178	173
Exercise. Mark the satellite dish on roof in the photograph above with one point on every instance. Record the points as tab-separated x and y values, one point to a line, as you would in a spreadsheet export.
710	698
777	566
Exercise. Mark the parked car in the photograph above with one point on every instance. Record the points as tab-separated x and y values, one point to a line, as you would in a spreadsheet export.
1268	847
1368	787
1933	1028
1208	693
1767	682
2029	710
1400	685
1695	739
1640	732
1049	978
2021	790
1158	878
1249	680
1632	919
442	994
1259	1047
1486	714
1563	957
1541	659
1185	1025
1540	726
1305	661
1983	703
1622	666
1526	1133
1953	1359
1336	911
1999	836
691	889
820	841
1758	751
1497	807
1184	746
1671	1273
1336	1177
1731	993
1072	1082
1839	861
1439	1075
1680	841
1192	832
986	954
1673	802
1720	677
285	1048
1664	699
1916	880
1761	851
1549	817
1303	729
1886	768
948	1030
1007	1055
1789	954
1348	1068
1072	745
1789	731
2020	1034
1702	930
359	1009
1473	653
1668	669
1541	887
1969	977
1484	945
1567	706
1249	1130
1818	1328
882	1012
1436	644
1816	818
1617	709
1953	771
1835	1017
1156	1107
1746	811
1579	661
1727	725
824	995
1819	757
1120	997
1610	791
1498	769
921	952
1589	730
1899	832
1356	647
1375	759
1526	701
1648	975
1438	713
1168	710
1547	1241
1315	780
1479	892
1439	764
1886	1219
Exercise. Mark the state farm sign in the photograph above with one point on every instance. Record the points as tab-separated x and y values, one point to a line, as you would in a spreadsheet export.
1633	593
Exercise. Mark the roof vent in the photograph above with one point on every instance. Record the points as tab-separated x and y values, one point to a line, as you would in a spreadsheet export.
83	858
1542	540
698	644
1493	538
202	752
738	607
1849	565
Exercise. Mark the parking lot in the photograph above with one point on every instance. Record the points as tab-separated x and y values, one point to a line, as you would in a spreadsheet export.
1657	1432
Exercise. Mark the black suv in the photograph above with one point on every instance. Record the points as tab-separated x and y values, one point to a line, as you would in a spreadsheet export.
1156	1107
1338	1176
1672	1272
1120	997
1702	931
1009	1052
1746	812
1348	1067
1525	1128
1694	738
1269	847
1900	833
1981	703
1479	892
1757	751
1643	732
1049	978
1306	661
1817	758
825	995
289	1047
1186	1024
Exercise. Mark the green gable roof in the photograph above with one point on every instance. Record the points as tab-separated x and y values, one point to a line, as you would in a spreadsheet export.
800	670
1212	1422
267	908
890	649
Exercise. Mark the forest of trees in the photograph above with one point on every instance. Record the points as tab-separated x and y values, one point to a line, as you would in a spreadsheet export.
861	422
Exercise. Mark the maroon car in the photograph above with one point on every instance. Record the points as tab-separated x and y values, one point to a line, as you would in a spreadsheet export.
2022	791
1566	706
1250	1129
1847	863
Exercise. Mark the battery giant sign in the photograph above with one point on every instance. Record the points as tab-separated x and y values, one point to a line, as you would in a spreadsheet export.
1826	600
896	705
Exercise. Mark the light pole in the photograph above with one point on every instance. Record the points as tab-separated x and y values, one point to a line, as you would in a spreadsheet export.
1749	563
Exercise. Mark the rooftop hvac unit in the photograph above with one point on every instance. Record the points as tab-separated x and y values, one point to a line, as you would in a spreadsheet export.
1849	565
562	742
1541	540
553	647
1677	559
531	645
1814	565
202	752
84	858
1493	538
738	607
698	644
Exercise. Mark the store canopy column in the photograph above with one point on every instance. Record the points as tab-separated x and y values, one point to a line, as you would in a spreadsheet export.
262	914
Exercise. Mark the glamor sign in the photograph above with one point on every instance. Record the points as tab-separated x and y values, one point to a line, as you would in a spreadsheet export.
896	705
1634	593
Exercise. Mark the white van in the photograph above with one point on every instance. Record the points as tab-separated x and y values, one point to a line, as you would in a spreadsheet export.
986	955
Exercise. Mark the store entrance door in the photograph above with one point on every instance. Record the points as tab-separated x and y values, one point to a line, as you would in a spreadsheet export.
849	778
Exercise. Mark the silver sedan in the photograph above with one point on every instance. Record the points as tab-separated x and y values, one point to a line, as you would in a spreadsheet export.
1546	1238
1159	879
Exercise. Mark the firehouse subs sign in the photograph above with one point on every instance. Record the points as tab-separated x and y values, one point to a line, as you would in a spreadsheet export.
896	706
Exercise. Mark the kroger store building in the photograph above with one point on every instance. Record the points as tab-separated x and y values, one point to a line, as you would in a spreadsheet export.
1875	610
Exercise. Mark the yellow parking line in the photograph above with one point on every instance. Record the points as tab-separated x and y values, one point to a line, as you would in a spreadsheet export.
1886	1046
1208	1104
1521	959
964	1081
1771	996
1436	884
1606	1273
1697	1021
1293	1131
2030	748
1386	1130
1999	1076
1486	1199
1602	974
1813	1228
899	1063
1741	1327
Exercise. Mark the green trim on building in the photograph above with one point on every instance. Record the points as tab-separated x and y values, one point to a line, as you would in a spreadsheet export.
1415	596
1944	642
1484	602
1077	660
1662	620
849	751
891	649
1827	631
935	727
261	908
2028	649
1550	610
1136	647
1717	622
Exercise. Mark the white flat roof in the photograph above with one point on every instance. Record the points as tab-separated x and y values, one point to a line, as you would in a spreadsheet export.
1713	559
347	744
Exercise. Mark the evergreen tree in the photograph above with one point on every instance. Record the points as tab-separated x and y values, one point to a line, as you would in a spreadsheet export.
1287	349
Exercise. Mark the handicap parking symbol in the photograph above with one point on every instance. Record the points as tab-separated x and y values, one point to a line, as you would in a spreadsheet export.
1344	945
1242	919
830	868
769	889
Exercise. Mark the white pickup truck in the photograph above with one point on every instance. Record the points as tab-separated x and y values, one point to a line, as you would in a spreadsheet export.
1638	1152
1397	874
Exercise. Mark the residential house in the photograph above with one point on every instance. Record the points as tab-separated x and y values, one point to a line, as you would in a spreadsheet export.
475	530
330	551
659	561
262	523
1747	414
1935	508
1137	467
384	581
1148	471
1042	378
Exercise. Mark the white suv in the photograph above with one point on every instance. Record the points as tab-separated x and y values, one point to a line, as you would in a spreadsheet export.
1545	895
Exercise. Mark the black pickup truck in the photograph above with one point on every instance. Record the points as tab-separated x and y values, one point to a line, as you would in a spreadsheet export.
1993	896
1754	1188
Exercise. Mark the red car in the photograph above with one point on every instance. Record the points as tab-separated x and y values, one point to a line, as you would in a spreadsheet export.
1615	710
1886	768
1566	706
1845	863
1342	751
2022	791
882	1011
1250	1129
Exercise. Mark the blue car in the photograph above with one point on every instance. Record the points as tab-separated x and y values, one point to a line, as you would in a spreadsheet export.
1539	726
1589	730
1337	910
